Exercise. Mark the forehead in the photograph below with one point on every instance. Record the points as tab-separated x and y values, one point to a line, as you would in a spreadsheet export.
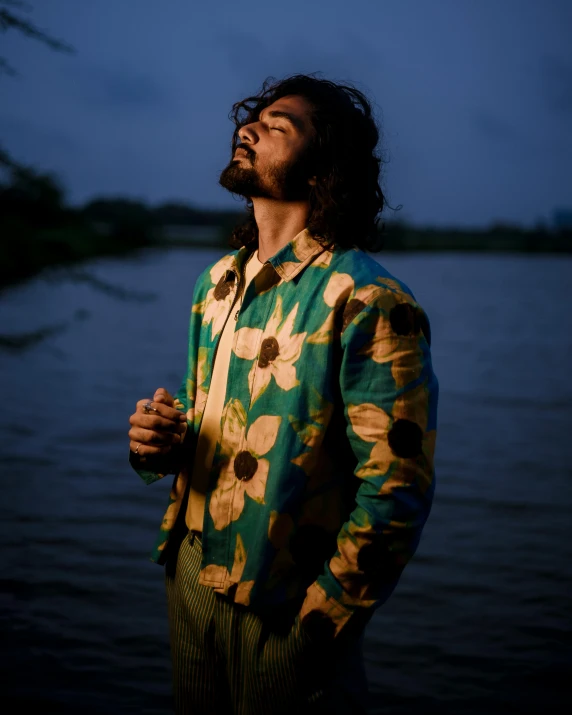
297	106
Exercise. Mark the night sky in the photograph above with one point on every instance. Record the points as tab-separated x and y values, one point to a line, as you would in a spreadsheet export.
474	98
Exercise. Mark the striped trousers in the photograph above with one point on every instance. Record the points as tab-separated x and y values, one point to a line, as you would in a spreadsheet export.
229	659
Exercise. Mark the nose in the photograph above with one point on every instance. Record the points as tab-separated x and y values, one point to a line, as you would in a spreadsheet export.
247	135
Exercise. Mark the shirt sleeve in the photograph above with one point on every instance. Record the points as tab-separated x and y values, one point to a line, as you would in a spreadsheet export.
389	393
155	468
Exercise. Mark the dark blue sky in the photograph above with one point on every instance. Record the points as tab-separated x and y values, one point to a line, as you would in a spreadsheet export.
474	98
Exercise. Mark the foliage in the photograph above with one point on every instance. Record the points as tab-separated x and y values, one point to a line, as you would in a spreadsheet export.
32	197
40	230
9	20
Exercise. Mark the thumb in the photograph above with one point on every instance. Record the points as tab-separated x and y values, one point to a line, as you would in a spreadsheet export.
162	395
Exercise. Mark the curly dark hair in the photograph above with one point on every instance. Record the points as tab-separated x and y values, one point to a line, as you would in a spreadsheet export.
347	198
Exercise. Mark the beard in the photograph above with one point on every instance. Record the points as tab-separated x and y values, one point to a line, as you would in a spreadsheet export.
285	182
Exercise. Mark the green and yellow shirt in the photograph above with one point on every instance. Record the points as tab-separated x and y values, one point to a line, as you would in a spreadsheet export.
322	478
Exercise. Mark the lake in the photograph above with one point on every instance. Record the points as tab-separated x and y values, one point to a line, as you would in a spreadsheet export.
481	620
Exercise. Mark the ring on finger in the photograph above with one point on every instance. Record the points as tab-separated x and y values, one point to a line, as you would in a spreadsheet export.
148	407
137	450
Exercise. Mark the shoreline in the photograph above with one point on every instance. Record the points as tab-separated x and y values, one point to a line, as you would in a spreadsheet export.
30	256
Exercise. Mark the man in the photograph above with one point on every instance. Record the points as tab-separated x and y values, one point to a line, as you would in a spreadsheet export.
303	434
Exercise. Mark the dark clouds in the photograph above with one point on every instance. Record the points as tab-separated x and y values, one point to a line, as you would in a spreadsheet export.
473	99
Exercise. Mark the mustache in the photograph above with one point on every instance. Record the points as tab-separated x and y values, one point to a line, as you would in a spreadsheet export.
249	152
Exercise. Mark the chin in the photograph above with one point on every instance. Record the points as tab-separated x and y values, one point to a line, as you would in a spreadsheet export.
243	181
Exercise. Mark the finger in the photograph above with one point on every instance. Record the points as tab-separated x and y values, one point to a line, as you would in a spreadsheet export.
150	437
162	395
144	450
151	407
157	423
162	410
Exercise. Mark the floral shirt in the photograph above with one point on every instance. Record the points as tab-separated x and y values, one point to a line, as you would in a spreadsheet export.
323	476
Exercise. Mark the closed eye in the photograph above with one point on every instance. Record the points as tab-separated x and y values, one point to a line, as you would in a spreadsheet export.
277	129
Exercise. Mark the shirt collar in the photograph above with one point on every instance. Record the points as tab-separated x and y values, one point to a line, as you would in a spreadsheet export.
290	260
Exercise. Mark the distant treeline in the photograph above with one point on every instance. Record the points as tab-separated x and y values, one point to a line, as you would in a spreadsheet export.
40	229
498	237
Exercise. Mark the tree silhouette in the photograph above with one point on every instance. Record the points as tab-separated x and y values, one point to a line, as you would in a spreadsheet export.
12	21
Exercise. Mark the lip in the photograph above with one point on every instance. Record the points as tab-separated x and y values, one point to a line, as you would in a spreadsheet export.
240	153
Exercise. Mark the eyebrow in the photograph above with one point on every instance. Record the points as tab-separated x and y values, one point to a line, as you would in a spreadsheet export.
292	118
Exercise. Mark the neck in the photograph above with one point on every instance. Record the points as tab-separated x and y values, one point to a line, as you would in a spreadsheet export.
278	222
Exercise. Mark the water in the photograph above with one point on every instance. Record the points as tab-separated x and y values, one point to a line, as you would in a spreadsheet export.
480	622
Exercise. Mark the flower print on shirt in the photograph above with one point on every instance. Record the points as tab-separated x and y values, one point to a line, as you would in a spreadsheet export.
213	572
399	436
196	391
370	423
243	469
202	376
373	504
366	562
394	338
218	302
340	290
277	350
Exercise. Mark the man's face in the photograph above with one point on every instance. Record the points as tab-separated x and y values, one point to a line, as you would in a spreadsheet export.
270	160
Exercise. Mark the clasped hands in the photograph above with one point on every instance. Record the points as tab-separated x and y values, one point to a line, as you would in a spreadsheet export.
156	432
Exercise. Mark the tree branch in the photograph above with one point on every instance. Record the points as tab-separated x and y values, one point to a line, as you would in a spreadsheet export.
9	21
6	68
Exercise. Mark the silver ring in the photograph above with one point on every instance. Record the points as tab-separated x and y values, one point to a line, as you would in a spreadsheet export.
147	407
137	450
